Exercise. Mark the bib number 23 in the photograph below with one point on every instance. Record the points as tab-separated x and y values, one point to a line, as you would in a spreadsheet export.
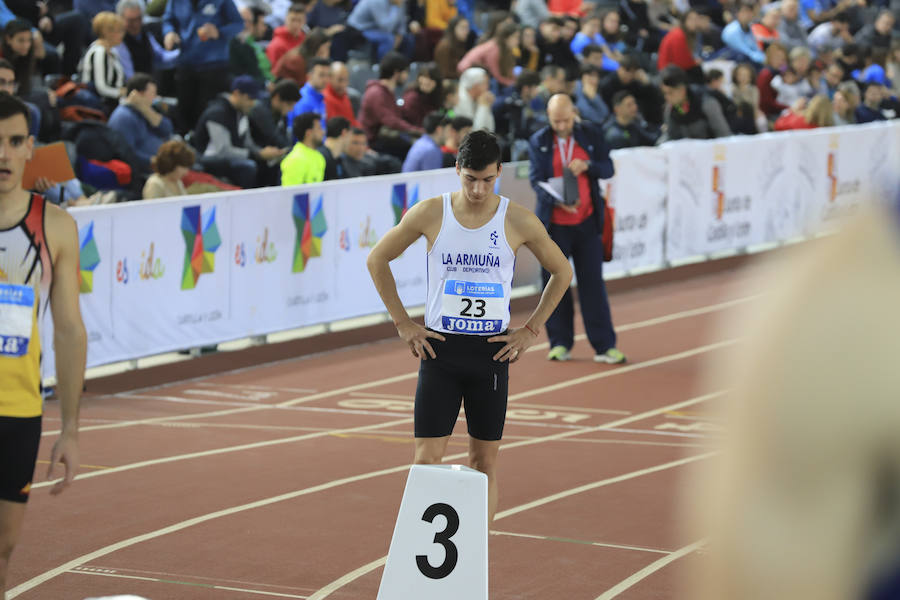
451	553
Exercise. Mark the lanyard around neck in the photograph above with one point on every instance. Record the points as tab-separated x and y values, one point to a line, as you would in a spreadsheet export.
566	154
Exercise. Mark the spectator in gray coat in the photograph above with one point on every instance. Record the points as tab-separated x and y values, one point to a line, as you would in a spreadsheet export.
791	31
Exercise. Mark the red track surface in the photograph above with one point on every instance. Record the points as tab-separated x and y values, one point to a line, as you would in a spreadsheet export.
322	446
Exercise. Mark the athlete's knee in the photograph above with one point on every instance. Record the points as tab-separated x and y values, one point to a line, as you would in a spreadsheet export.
486	462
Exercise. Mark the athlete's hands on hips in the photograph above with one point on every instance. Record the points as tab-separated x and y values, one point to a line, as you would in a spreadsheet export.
417	337
517	342
65	450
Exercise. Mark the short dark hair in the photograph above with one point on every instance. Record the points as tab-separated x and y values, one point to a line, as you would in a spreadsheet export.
392	63
714	75
629	62
745	5
459	122
588	69
673	76
357	131
555	20
478	150
5	64
287	90
591	49
297	7
620	96
552	71
841	17
432	121
335	126
139	82
303	123
319	62
11	106
527	78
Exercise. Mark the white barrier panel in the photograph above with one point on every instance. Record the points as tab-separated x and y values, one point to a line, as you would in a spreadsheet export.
169	274
637	192
439	549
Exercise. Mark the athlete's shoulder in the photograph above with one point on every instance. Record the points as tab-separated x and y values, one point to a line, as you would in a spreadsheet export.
521	218
428	210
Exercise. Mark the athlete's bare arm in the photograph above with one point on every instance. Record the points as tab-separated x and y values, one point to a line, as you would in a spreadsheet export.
69	338
523	228
422	219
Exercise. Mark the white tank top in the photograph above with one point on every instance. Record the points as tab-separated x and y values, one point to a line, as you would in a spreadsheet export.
470	274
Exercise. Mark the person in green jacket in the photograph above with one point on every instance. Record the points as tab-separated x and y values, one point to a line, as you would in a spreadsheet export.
304	164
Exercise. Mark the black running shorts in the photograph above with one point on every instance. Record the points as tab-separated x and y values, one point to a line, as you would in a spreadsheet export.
464	370
19	441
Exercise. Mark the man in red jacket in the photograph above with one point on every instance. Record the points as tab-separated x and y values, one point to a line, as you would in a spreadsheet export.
337	102
290	35
379	114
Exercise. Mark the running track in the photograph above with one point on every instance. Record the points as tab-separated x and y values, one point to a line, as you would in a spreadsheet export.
284	480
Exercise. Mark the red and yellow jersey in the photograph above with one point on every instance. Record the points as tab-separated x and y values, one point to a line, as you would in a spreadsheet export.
26	271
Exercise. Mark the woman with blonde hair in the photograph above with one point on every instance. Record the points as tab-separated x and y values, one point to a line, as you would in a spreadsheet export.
817	113
172	162
101	67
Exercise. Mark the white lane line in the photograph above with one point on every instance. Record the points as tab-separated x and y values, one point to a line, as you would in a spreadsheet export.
264	388
216	451
646	571
81	560
685	314
208	586
550	538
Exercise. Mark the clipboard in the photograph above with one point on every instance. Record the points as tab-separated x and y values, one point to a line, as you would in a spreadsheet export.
50	161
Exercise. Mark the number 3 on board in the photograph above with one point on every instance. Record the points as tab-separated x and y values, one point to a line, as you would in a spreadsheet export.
443	538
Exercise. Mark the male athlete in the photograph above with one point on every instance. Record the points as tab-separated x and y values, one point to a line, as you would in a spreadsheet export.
465	351
38	266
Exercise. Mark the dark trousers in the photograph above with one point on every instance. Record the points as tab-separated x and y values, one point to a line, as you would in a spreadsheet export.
582	243
194	88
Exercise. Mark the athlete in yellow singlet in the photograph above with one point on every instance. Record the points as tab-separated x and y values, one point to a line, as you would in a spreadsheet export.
39	263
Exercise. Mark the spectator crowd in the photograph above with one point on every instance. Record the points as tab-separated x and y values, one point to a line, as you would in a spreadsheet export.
167	97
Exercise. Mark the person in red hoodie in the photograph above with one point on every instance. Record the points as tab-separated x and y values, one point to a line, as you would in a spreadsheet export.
337	102
288	36
677	47
379	114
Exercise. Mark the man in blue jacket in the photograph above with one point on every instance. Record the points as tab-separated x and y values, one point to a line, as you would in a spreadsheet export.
576	153
140	124
203	30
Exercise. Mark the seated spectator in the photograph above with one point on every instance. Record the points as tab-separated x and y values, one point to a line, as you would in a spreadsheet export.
312	97
831	35
497	55
625	129
337	101
776	62
844	105
140	52
611	31
529	54
588	100
355	161
875	103
553	81
171	163
287	36
138	122
50	28
630	77
245	55
19	49
678	46
789	87
475	99
452	47
101	68
424	97
337	135
589	34
833	76
690	112
331	15
791	31
222	135
379	114
514	116
455	130
745	95
555	48
715	81
818	112
766	31
383	23
268	118
425	154
878	34
294	63
739	38
304	164
8	85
